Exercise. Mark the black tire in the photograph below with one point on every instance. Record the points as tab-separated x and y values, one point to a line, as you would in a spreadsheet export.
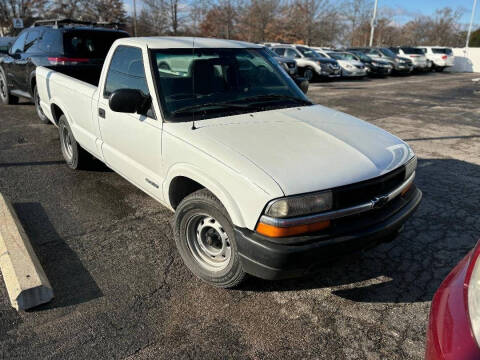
194	211
38	108
75	157
439	69
309	73
5	97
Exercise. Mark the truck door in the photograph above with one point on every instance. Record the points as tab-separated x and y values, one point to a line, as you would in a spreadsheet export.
131	143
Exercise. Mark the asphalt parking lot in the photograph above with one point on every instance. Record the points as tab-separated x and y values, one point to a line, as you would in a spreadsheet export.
123	292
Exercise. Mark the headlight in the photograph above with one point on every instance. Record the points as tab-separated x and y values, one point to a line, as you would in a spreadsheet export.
410	167
300	205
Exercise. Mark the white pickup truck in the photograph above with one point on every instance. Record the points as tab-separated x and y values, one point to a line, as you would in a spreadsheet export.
262	181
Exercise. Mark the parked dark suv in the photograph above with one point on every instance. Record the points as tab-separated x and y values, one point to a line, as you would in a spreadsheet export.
67	46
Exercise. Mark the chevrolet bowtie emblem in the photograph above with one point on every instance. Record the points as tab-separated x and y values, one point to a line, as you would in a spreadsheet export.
379	202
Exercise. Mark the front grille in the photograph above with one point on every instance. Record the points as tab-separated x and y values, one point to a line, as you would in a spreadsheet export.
361	67
372	217
362	192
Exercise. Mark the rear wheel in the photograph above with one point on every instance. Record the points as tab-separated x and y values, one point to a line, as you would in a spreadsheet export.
5	96
75	157
206	241
38	108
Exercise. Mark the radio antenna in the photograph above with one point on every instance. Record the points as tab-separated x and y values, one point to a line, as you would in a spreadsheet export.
193	82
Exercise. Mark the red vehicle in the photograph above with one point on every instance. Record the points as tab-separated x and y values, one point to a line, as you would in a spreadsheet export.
454	327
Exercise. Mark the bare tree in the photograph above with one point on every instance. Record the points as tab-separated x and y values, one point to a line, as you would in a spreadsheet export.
71	9
28	10
103	10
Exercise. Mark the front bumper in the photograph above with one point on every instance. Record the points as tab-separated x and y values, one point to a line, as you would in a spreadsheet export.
271	259
329	72
403	68
355	73
377	70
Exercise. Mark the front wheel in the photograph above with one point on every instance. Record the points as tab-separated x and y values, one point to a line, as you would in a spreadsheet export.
75	157
308	73
206	241
38	108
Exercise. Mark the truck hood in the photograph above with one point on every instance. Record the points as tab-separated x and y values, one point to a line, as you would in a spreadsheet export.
308	148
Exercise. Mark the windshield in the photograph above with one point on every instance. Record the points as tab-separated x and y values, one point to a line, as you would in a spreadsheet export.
388	52
445	51
307	52
412	51
208	83
362	56
336	56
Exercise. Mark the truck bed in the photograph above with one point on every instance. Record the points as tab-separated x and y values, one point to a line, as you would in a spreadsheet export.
88	74
75	98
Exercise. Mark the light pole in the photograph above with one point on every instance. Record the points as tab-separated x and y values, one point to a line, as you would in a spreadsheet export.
471	24
372	30
134	18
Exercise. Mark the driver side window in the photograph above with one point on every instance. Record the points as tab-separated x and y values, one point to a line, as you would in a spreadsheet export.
19	44
127	71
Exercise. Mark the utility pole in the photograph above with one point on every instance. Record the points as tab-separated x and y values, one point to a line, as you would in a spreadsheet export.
374	19
134	18
471	24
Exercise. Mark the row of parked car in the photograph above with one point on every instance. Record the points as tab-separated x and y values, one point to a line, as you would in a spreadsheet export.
324	63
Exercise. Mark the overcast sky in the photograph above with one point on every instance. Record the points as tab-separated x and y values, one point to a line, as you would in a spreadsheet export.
404	8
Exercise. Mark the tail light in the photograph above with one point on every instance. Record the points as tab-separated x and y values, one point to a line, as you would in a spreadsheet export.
67	60
472	292
444	57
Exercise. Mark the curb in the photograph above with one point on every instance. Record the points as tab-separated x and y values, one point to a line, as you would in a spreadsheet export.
24	278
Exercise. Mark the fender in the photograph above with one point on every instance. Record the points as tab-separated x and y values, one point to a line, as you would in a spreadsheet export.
58	102
196	174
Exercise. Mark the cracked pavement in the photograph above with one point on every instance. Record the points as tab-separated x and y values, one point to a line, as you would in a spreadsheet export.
122	291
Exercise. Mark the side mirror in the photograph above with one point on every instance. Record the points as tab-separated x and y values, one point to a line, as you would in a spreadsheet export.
303	84
129	101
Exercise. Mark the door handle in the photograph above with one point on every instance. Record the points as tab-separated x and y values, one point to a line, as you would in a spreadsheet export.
101	113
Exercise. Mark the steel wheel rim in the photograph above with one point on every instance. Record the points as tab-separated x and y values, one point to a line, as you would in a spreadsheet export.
208	242
67	143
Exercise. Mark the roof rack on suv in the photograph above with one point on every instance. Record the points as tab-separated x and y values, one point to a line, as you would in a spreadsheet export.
57	23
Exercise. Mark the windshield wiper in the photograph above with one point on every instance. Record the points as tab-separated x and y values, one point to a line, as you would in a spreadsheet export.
220	105
272	97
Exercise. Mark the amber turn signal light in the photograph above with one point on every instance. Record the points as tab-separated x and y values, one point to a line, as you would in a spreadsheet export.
276	232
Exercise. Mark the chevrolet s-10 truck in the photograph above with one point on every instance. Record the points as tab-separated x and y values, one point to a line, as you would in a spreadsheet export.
262	181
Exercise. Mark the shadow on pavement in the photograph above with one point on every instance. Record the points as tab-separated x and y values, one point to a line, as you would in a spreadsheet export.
409	269
72	283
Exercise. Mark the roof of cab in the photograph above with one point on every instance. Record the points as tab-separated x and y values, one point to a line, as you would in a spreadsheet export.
171	42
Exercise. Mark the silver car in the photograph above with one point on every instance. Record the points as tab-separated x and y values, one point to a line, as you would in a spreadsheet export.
416	55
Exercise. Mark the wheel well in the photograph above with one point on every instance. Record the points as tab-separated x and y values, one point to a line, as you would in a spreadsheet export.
56	113
181	187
